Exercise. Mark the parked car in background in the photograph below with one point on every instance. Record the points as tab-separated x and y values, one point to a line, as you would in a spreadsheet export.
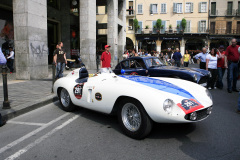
154	67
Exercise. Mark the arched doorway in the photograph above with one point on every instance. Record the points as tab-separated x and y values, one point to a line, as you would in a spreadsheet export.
147	45
173	44
129	44
215	43
194	44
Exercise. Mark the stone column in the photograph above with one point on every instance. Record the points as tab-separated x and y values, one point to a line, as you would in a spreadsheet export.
30	39
112	27
122	30
159	45
88	34
182	46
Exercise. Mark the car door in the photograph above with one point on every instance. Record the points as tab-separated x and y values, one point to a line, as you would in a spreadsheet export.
141	68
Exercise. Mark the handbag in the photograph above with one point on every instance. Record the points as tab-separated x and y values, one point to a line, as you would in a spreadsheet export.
3	60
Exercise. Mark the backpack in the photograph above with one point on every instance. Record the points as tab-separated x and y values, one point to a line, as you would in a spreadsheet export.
2	58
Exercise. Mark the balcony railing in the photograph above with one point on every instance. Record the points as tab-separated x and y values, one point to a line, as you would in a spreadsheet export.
230	12
225	31
173	30
130	12
238	12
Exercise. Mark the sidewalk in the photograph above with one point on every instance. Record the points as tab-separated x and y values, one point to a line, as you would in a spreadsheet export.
25	96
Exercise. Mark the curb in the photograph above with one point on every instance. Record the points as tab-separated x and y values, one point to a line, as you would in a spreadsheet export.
24	108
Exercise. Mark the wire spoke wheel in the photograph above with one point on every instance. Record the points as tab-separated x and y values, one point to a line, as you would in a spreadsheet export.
65	98
131	117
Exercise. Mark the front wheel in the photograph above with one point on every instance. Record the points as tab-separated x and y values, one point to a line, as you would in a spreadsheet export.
65	101
133	119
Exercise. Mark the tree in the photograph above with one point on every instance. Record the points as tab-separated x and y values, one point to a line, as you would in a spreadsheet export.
184	23
158	24
136	26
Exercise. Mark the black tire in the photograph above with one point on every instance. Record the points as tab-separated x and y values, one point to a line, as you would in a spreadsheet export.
65	100
143	128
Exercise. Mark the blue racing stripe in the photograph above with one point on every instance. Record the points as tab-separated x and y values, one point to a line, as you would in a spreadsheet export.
160	85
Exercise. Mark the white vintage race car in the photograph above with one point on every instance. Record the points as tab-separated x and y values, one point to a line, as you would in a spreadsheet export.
138	101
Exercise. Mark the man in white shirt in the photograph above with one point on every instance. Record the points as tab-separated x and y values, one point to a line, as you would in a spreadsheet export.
10	59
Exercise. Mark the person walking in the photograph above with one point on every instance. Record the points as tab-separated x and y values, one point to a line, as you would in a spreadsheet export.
202	57
135	54
211	65
106	58
186	58
3	60
60	60
10	59
191	60
220	67
231	62
125	55
177	58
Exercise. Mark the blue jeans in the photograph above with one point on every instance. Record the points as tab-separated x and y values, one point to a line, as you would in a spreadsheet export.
232	75
221	72
59	69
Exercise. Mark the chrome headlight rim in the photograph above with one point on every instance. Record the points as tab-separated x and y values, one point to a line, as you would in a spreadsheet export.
168	106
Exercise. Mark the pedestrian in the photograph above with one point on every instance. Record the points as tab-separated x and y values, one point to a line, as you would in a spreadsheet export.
149	54
186	58
177	58
10	59
3	60
140	52
211	65
106	58
60	60
146	54
202	57
231	62
166	57
161	56
125	55
135	54
191	60
220	66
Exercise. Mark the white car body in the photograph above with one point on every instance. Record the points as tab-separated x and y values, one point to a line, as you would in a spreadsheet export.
100	93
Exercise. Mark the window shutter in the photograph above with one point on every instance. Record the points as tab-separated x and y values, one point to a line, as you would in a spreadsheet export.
188	26
164	25
191	7
199	7
199	24
174	7
151	7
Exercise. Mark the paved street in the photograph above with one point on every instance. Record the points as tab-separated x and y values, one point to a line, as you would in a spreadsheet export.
50	133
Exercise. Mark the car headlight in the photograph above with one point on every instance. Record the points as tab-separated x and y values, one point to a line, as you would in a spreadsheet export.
168	105
195	78
209	94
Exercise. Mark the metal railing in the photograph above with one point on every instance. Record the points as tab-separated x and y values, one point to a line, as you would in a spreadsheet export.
225	31
173	30
231	12
214	13
130	12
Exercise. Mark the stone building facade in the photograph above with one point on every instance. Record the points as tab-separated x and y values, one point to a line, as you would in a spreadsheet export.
38	25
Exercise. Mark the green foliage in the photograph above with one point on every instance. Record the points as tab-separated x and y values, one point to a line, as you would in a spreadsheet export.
184	23
170	26
136	26
178	26
158	24
146	27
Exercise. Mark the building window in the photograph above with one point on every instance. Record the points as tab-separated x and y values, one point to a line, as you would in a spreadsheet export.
162	30
140	9
177	7
229	8
188	27
163	8
153	8
213	8
154	30
140	23
238	10
229	27
212	27
202	26
202	7
189	7
130	24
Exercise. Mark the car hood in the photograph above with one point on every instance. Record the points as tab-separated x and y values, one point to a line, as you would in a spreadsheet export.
192	70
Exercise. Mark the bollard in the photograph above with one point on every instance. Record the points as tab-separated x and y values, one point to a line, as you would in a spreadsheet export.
53	75
6	104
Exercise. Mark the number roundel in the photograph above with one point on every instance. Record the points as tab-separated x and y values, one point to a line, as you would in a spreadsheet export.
77	90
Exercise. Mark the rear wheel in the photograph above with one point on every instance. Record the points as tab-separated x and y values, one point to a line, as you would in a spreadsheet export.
65	101
133	119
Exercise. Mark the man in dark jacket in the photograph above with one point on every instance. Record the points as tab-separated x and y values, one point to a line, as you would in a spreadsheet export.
177	58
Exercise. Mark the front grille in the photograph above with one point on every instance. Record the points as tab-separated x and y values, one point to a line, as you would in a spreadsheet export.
200	115
203	80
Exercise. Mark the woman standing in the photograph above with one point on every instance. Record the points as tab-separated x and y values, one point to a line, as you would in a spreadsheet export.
186	58
211	65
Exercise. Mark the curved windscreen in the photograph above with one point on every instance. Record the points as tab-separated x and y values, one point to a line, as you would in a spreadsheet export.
154	62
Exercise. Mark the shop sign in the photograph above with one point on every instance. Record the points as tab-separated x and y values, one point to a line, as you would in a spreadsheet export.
147	38
170	38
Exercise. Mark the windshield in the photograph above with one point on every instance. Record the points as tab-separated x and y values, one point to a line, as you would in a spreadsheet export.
154	62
